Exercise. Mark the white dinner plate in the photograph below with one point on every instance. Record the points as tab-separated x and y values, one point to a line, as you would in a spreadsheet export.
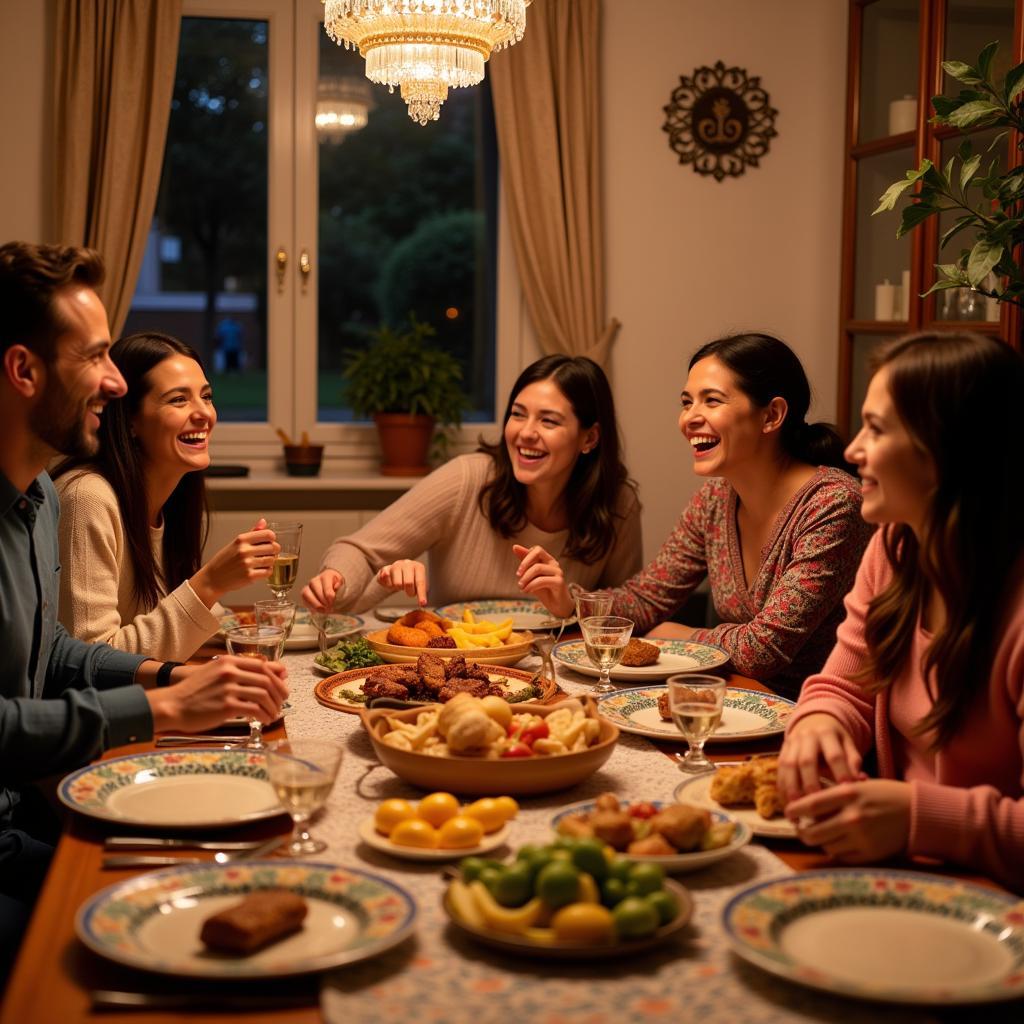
746	714
696	789
303	636
186	788
372	837
153	921
676	656
896	936
525	614
674	863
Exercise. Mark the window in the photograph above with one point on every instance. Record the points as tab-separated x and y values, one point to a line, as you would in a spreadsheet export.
276	247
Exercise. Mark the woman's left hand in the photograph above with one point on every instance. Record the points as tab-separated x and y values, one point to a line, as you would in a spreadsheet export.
540	574
855	822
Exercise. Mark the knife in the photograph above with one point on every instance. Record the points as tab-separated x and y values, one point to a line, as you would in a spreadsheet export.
131	860
156	843
190	741
108	999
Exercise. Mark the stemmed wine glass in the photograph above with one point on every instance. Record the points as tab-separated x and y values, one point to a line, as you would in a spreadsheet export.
278	612
696	702
286	564
302	772
605	638
263	644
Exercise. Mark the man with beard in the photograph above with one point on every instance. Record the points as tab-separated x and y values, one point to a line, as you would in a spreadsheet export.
63	701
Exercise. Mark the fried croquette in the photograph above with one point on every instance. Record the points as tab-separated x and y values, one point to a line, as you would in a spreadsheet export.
407	636
639	654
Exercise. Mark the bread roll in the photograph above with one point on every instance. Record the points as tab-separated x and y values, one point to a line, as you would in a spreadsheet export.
258	920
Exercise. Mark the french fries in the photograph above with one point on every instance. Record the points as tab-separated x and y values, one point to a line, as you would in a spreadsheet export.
472	632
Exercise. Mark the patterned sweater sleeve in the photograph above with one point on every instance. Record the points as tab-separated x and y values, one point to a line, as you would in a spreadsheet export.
825	553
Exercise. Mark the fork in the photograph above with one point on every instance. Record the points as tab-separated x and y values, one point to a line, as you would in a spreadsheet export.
319	621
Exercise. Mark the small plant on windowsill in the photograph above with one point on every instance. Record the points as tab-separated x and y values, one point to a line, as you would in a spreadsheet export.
991	204
413	392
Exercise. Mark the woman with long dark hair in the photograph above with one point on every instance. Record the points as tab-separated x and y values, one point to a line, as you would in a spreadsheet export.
554	482
928	667
133	517
776	529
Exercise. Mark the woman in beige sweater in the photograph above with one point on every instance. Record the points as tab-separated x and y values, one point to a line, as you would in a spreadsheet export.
554	482
133	519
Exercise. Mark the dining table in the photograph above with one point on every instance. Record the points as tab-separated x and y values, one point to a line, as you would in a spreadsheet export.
439	974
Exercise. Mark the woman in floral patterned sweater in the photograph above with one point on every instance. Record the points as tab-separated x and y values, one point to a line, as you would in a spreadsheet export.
776	529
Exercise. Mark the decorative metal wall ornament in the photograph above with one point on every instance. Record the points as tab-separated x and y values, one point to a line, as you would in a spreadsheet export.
720	121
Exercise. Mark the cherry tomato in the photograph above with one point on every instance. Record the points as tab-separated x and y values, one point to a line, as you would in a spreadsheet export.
539	731
642	809
518	750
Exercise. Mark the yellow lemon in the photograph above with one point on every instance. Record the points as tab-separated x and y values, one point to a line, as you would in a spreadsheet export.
459	833
437	808
488	812
508	807
415	832
583	922
390	813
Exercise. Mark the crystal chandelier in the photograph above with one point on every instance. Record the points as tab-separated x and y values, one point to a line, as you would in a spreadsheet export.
425	47
342	106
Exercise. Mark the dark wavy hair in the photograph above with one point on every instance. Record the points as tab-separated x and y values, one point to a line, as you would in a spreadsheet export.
119	461
945	387
767	368
595	487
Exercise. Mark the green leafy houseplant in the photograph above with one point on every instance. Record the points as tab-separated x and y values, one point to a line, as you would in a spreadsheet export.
991	204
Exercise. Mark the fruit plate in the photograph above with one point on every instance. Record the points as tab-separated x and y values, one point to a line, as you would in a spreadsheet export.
303	636
372	837
676	656
517	648
746	714
676	863
343	691
697	790
896	936
520	945
524	614
153	921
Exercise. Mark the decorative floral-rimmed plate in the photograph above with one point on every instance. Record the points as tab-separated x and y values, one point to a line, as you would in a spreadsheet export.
522	945
188	788
696	789
746	714
153	921
675	863
896	936
372	837
343	691
525	614
303	636
676	656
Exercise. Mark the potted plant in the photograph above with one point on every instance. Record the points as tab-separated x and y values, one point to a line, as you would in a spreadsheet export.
991	204
409	388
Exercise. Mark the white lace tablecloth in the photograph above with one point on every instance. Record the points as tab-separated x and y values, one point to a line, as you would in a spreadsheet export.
441	976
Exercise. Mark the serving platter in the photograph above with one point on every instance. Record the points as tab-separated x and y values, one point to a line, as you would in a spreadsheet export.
153	921
676	656
697	790
895	936
373	838
342	690
676	863
303	636
525	614
181	788
521	945
517	648
746	714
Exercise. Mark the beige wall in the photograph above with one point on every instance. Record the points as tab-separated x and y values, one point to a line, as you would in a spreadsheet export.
690	258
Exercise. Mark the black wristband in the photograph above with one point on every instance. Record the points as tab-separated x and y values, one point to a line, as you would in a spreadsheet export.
163	673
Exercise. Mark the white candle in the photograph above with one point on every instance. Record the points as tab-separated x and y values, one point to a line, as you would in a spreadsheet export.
885	300
902	115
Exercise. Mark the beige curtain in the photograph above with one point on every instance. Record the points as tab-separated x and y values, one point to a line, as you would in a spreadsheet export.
547	109
114	69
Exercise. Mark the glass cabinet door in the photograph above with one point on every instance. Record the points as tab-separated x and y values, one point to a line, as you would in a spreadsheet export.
889	68
970	27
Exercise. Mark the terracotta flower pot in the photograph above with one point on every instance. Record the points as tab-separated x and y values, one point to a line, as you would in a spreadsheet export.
303	459
404	443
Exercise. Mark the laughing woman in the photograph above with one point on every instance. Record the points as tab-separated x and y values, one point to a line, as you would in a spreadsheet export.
133	519
928	667
554	481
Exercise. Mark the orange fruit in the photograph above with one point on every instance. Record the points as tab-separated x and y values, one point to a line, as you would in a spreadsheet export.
437	808
415	832
583	922
508	807
460	833
488	812
390	813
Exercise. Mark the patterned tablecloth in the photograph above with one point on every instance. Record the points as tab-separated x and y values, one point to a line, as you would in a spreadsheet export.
441	976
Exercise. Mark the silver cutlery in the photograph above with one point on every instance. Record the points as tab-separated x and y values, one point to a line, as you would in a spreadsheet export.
130	860
109	999
157	843
189	741
319	621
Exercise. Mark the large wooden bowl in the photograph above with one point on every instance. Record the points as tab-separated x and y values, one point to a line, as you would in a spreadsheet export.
487	776
517	648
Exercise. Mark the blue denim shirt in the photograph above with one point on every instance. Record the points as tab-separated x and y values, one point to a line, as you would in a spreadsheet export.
62	701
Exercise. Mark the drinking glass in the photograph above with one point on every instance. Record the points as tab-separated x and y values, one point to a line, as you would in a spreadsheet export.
278	612
302	772
695	702
261	643
286	564
590	603
605	638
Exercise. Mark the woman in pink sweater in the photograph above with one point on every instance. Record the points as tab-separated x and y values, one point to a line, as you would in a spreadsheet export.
928	667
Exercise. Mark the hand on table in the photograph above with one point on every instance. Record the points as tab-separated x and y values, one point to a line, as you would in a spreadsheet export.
205	696
816	738
540	574
319	594
407	575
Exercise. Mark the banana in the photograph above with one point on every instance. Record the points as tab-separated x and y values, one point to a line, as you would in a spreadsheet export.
511	920
464	905
587	892
542	936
